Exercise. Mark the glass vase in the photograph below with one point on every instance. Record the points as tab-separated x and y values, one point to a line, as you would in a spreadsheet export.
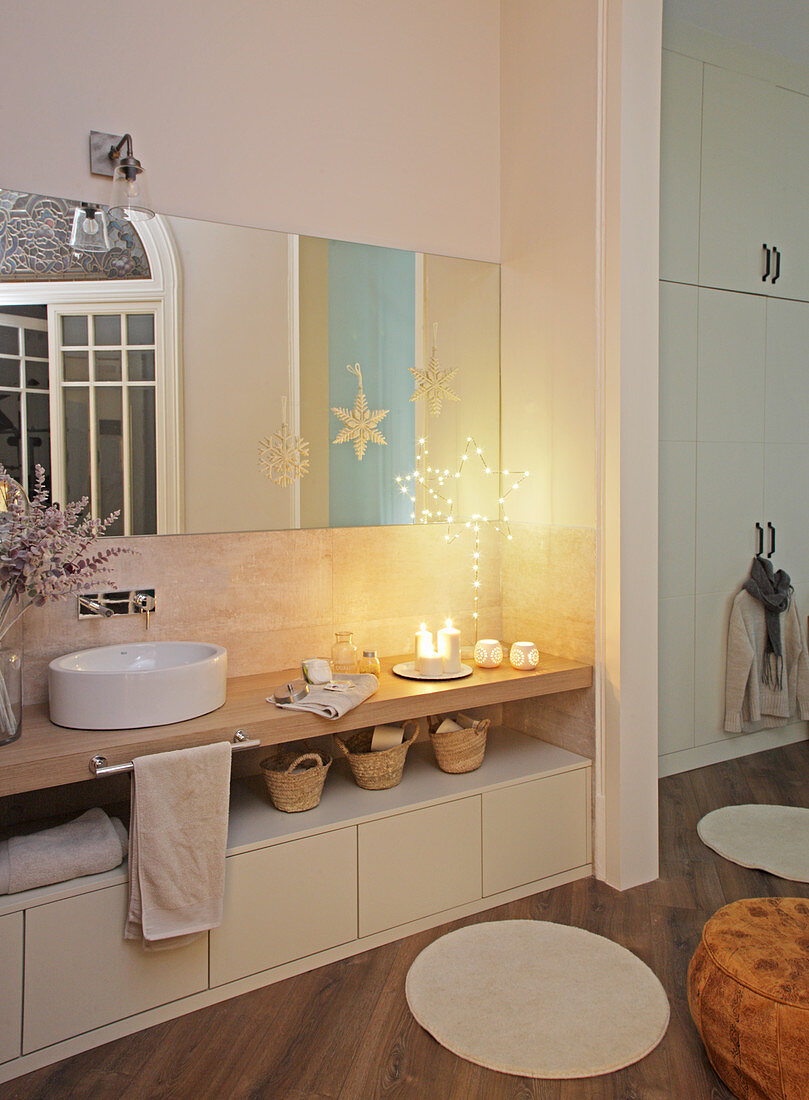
10	690
344	652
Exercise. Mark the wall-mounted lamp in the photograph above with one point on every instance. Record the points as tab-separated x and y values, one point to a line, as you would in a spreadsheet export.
89	232
111	155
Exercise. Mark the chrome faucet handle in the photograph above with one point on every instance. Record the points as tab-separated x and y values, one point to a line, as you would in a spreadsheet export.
145	603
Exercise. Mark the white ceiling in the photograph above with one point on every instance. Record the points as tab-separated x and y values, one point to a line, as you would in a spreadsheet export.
777	26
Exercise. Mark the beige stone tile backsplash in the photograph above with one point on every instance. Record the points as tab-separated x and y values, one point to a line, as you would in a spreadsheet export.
274	597
548	586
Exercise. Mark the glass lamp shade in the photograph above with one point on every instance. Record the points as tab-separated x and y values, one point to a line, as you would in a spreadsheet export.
130	194
89	232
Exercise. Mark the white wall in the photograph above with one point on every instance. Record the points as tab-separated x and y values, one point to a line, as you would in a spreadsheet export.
376	122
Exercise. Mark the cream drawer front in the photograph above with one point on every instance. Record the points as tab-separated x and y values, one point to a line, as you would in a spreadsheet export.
535	829
284	902
419	863
80	972
10	985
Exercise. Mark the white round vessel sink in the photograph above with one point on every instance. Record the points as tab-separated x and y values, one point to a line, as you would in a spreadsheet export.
122	687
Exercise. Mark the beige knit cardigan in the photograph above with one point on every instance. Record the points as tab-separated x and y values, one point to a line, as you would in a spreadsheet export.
748	701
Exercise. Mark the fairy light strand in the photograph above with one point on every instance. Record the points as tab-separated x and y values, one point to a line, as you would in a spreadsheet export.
438	507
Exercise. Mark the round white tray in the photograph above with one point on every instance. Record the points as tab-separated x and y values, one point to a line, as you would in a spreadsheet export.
408	670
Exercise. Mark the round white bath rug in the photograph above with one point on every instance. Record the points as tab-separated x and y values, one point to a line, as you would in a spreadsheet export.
768	838
537	999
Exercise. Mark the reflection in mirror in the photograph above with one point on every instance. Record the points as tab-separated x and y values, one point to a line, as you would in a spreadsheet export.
195	377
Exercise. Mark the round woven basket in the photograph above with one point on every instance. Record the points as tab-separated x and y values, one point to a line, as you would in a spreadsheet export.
375	771
461	750
295	780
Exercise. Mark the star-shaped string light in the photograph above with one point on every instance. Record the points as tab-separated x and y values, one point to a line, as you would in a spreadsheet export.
283	457
360	423
437	483
432	381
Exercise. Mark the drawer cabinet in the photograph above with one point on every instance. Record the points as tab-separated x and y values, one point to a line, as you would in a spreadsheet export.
284	902
419	863
80	973
11	933
535	829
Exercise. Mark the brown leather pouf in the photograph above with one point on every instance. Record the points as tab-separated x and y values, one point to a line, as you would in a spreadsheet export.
748	991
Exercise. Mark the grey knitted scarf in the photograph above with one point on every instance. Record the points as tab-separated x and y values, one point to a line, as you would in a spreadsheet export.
774	591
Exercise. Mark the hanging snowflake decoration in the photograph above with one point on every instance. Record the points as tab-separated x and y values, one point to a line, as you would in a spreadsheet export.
432	382
360	423
284	456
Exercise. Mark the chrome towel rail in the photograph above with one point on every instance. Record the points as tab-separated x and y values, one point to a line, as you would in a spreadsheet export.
99	766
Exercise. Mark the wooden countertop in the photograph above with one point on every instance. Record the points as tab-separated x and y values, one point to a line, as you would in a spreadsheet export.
49	756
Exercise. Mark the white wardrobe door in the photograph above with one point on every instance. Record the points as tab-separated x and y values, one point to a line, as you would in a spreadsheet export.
678	361
787	372
791	198
730	391
676	674
739	145
681	123
730	501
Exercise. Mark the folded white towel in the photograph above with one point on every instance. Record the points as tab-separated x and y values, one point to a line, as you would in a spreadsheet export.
88	845
354	688
177	840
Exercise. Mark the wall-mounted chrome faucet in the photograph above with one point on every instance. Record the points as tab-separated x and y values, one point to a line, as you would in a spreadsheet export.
137	601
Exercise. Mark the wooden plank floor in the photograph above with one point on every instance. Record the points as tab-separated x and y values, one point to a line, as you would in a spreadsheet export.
344	1032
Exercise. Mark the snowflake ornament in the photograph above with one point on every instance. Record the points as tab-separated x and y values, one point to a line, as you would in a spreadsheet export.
360	423
432	382
284	456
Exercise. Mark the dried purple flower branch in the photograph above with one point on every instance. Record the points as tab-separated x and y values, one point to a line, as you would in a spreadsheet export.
46	551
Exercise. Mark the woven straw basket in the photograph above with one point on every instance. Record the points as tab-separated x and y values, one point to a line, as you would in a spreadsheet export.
375	771
459	750
295	780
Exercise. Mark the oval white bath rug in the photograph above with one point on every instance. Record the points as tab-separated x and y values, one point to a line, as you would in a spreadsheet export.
768	838
537	999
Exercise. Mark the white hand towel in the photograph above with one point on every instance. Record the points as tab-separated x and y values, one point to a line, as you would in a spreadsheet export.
88	845
177	840
325	701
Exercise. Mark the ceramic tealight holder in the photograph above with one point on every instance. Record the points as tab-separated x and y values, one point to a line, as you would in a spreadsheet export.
524	656
488	653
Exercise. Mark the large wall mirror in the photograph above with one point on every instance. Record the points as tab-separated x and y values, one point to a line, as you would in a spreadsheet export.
202	377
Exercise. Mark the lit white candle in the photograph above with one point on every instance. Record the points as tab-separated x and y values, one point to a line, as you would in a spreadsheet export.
449	646
431	664
424	644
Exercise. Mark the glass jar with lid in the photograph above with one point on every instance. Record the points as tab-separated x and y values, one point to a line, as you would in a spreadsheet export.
344	652
369	662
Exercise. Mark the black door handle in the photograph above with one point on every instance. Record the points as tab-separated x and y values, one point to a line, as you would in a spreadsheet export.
772	540
777	274
766	274
760	530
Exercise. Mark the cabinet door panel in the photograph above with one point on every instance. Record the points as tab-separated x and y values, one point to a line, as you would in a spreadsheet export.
676	674
732	342
419	863
790	179
284	902
11	933
680	127
739	146
786	504
787	372
80	972
730	501
535	829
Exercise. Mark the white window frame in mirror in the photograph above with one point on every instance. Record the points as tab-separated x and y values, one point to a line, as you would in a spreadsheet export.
163	291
